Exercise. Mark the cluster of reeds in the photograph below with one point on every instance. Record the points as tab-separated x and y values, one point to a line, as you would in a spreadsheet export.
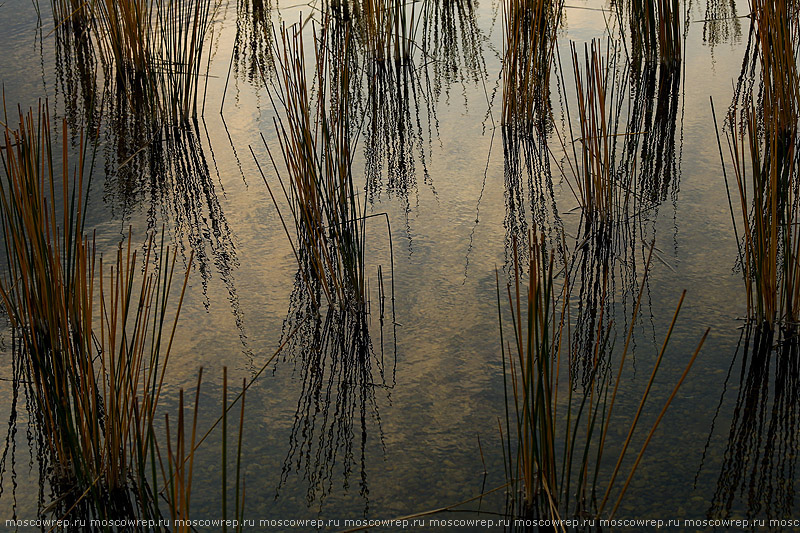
93	339
330	308
316	139
95	345
386	30
529	39
655	31
594	153
555	433
618	157
763	141
153	48
766	180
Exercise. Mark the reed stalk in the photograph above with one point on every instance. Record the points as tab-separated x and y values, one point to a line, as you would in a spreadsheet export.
178	469
591	158
763	142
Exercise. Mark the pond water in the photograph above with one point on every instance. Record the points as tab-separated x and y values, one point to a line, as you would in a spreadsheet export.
416	428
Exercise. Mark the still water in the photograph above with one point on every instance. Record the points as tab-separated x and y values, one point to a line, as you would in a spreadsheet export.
415	428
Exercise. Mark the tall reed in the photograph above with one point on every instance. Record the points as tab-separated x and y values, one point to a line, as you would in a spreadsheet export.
95	348
556	434
763	141
316	138
181	449
592	157
766	180
386	30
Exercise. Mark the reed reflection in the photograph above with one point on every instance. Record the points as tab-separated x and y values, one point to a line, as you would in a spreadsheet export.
452	43
760	460
252	47
618	157
328	325
339	372
395	136
656	98
529	194
721	23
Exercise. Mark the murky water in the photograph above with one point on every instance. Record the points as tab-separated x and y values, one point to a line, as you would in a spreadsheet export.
417	427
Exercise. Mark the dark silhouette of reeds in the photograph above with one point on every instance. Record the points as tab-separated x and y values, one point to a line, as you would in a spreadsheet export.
759	463
253	46
721	23
656	104
529	194
339	373
654	27
394	134
452	43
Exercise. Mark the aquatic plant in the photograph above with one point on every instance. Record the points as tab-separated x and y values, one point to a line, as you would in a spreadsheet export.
529	39
386	30
555	459
180	456
316	140
765	171
598	193
152	50
763	143
94	348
